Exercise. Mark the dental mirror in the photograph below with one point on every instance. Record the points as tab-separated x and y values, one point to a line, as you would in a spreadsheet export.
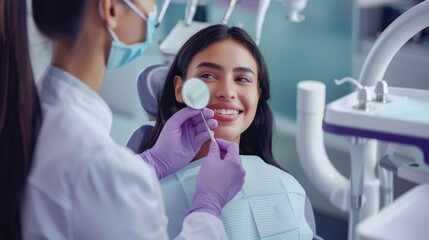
196	95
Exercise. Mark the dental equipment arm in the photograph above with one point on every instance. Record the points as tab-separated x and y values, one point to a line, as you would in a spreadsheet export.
310	145
164	6
360	195
260	18
191	8
229	11
294	8
391	40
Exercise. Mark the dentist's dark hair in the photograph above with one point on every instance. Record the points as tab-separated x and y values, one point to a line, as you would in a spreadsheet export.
60	19
257	139
20	114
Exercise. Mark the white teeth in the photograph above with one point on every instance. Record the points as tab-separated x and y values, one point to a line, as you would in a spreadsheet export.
226	111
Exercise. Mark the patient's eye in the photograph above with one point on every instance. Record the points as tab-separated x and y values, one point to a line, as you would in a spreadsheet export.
207	76
243	79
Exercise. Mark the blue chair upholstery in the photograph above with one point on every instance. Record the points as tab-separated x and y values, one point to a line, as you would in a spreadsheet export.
150	83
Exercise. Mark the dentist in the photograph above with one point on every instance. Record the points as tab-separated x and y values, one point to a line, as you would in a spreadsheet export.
62	176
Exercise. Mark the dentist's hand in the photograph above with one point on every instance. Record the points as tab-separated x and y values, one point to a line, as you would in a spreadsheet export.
220	178
179	141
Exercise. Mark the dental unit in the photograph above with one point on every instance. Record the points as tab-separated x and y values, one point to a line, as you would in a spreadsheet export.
388	131
183	29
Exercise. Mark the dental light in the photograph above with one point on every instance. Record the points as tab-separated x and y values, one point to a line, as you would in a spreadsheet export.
191	8
294	9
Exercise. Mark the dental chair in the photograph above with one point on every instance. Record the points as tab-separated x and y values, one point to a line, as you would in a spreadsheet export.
150	82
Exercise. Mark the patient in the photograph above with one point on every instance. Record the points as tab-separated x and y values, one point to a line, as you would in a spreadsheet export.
271	204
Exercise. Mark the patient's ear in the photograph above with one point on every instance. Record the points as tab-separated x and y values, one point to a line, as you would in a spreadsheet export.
178	83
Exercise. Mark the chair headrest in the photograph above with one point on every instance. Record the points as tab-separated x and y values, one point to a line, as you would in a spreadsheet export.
150	83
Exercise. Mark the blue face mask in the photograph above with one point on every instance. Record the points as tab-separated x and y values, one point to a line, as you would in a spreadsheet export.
120	53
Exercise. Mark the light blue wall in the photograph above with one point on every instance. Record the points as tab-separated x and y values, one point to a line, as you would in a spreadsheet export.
318	48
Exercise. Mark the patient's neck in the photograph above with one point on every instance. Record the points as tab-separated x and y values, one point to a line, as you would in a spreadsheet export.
204	150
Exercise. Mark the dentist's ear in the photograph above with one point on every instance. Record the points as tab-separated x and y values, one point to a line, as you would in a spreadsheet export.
111	11
178	83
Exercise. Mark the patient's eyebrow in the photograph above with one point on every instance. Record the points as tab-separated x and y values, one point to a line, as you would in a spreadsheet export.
210	65
244	69
220	68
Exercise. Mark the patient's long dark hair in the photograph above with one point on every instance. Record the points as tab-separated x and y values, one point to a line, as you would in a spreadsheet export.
257	139
20	114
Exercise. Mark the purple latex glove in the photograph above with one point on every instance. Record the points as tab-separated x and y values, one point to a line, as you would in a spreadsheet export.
219	179
179	141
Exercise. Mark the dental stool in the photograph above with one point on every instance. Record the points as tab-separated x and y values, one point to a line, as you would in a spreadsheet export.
150	83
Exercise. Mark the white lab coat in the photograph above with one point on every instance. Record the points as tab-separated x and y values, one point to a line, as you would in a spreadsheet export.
84	186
